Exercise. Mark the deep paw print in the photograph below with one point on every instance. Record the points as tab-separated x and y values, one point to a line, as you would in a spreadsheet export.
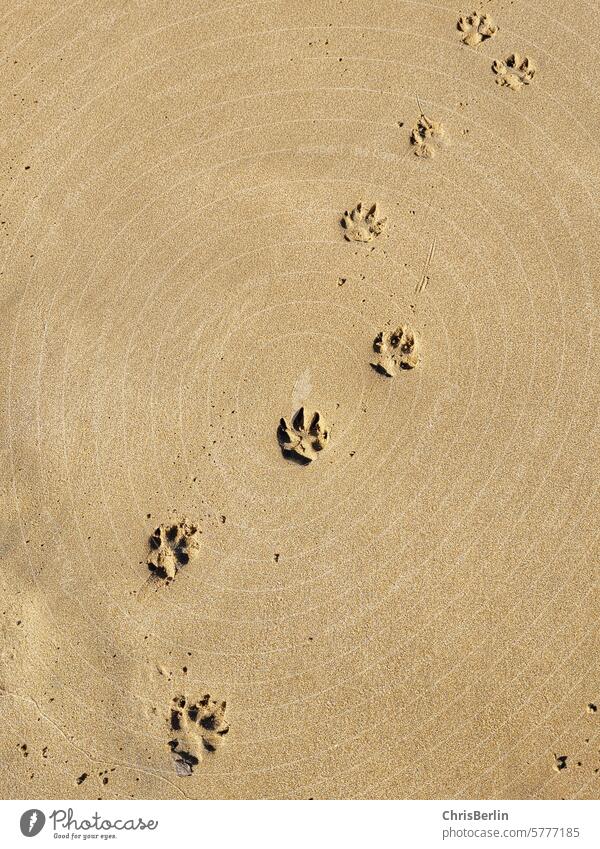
361	225
476	28
396	349
427	136
304	437
171	547
514	72
198	729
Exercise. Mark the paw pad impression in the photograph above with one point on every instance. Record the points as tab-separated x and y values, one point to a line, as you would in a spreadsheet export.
396	349
198	728
304	437
427	136
514	72
171	547
476	28
361	225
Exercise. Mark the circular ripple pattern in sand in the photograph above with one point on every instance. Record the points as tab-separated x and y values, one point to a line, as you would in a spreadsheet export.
413	614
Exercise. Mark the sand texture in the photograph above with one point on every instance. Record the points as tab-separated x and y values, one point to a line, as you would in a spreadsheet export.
299	399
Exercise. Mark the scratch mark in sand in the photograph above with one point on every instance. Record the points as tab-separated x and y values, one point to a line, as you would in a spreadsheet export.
422	284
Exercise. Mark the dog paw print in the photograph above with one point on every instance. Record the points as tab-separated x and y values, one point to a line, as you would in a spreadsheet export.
514	72
362	225
396	349
198	729
426	137
304	437
171	547
560	763
476	28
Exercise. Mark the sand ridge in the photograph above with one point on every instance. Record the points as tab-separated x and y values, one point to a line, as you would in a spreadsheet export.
412	613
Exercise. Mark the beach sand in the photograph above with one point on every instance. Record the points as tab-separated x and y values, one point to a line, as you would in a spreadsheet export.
412	613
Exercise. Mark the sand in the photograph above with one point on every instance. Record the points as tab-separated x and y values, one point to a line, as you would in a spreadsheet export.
404	603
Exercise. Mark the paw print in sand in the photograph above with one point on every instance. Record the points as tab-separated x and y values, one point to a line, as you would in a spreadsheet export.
476	28
304	437
427	136
515	72
171	547
361	225
199	728
396	349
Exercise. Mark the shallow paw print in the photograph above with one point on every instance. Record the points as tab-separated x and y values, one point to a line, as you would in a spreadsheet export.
199	728
476	28
361	226
171	547
304	437
396	349
427	136
515	72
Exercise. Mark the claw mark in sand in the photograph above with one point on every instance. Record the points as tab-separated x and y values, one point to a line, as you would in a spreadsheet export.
304	437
